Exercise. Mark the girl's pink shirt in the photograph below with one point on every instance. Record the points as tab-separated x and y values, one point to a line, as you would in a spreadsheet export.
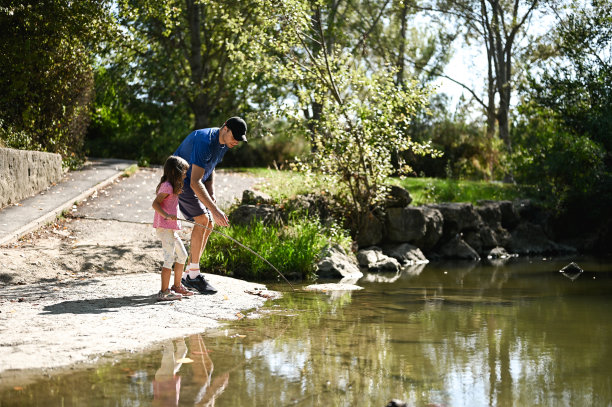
170	206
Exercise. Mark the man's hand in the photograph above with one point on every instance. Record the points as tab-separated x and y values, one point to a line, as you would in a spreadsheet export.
220	218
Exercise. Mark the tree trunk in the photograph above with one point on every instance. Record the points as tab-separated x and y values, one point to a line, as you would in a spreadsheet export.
199	102
402	48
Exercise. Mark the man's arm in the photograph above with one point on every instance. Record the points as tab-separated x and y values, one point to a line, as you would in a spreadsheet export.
201	192
209	184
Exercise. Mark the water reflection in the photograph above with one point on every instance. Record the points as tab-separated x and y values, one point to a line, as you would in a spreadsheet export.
167	381
453	334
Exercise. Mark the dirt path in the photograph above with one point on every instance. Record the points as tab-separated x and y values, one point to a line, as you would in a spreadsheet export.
84	286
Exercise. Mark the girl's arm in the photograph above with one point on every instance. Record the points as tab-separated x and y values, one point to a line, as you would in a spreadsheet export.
157	206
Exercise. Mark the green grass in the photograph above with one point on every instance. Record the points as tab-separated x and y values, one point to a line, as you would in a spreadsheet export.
433	190
292	249
285	184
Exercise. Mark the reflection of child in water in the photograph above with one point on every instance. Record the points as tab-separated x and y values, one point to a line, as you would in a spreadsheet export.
167	383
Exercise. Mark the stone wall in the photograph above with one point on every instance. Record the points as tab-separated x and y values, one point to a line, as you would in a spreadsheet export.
25	173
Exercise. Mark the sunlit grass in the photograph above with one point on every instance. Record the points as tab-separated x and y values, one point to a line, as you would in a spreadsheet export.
434	190
285	184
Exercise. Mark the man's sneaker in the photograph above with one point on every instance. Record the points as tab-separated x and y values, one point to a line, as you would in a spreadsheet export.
200	284
168	295
182	290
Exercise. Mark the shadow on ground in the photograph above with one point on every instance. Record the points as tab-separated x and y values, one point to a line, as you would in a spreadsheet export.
99	306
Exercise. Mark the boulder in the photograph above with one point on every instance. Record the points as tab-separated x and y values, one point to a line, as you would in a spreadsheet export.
335	263
397	197
246	214
485	238
458	217
528	211
572	271
406	254
490	213
457	248
421	226
370	231
311	204
498	214
374	259
529	238
498	253
251	197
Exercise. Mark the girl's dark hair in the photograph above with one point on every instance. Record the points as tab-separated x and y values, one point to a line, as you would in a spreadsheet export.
174	170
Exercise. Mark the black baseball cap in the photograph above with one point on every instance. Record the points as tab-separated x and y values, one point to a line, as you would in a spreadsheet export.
238	127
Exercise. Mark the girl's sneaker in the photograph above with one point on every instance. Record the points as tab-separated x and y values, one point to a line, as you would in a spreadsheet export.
182	290
168	295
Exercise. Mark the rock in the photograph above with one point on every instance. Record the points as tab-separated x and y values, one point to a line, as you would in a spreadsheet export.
421	226
458	217
406	254
370	232
529	238
374	259
335	263
332	287
490	213
396	403
397	197
252	197
311	204
246	214
498	253
528	211
457	248
571	271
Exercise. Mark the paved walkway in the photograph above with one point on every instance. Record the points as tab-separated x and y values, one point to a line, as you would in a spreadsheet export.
129	201
27	215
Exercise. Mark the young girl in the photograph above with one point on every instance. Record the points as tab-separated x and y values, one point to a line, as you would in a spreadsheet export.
166	224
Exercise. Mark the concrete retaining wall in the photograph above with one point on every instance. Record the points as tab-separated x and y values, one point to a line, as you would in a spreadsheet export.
25	173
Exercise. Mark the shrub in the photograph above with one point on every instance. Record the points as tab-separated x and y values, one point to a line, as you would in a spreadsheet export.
292	249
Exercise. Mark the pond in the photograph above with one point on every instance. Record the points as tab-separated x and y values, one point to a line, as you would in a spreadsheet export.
442	334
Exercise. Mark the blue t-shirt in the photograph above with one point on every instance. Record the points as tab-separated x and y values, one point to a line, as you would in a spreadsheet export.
202	148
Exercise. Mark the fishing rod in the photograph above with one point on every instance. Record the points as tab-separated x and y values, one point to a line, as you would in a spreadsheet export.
212	230
241	245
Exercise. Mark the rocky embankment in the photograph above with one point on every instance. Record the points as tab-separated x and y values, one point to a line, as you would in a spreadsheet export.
399	234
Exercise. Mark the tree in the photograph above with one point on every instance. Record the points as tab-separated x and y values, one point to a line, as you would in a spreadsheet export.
565	130
46	80
364	116
193	53
499	26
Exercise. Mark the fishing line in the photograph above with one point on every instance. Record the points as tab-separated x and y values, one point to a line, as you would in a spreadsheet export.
205	227
241	245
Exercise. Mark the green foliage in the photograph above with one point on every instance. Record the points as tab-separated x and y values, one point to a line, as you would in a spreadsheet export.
433	190
124	125
466	150
362	116
559	162
564	133
292	249
46	81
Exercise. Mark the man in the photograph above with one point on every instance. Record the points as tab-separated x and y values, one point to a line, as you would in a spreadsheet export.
203	150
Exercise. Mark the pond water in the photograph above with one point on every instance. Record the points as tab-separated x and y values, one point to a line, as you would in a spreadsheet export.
456	334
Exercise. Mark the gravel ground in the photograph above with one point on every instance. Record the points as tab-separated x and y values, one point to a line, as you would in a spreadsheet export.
84	286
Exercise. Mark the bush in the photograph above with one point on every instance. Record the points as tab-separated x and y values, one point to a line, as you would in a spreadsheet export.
292	249
560	163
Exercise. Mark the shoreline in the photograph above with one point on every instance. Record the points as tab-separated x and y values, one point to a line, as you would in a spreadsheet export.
68	325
